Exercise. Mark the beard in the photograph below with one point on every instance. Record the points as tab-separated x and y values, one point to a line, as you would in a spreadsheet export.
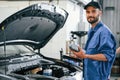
92	20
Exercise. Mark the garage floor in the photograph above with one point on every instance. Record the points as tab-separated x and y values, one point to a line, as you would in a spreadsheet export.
115	78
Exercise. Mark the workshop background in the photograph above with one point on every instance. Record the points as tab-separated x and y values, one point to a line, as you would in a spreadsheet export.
76	22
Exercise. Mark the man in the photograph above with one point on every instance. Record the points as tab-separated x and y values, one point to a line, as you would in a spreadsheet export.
99	53
118	50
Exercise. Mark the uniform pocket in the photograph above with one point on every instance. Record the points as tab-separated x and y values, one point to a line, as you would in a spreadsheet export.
94	42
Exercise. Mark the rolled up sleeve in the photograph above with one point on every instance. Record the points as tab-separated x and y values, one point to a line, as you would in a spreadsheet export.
107	46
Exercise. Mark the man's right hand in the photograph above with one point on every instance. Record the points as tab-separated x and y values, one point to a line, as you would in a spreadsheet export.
81	54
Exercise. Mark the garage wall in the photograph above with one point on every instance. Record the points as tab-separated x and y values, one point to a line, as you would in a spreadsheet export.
111	16
7	8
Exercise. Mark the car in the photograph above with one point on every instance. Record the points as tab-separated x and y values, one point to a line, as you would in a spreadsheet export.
23	34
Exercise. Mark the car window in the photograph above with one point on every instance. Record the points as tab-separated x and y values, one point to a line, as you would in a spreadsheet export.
10	50
22	48
14	49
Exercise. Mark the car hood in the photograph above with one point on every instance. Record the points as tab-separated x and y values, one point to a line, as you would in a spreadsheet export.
35	24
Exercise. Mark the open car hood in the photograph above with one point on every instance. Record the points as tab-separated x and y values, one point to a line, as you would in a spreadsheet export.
35	24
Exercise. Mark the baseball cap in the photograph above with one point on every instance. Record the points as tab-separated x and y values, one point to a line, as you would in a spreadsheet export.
94	4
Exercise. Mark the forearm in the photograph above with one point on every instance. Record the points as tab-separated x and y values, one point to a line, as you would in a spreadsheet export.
99	57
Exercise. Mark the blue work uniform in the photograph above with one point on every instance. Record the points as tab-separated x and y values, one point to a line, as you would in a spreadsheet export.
100	40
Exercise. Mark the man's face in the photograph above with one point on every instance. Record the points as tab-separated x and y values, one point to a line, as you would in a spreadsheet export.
92	14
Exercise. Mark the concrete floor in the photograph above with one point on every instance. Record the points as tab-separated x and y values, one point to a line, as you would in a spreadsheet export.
115	78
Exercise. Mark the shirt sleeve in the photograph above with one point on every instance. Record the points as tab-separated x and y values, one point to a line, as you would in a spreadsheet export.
107	46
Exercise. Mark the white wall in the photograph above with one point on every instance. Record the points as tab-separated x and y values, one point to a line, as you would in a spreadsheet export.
73	19
7	8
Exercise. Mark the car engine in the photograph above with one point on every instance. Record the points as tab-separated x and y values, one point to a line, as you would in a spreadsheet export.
31	68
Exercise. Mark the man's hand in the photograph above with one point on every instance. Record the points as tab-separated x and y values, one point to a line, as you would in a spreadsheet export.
118	50
81	54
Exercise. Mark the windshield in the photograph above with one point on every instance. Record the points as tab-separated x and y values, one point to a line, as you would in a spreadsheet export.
12	50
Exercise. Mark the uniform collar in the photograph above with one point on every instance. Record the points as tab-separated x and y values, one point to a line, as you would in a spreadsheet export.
97	27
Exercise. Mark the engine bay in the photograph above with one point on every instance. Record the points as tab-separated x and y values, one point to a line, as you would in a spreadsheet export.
39	68
46	70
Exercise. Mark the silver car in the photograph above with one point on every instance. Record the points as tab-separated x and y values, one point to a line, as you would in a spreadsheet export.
24	32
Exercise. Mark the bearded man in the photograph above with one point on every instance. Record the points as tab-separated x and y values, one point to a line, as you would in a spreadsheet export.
99	53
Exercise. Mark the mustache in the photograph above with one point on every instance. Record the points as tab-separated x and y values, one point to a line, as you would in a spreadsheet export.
91	17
